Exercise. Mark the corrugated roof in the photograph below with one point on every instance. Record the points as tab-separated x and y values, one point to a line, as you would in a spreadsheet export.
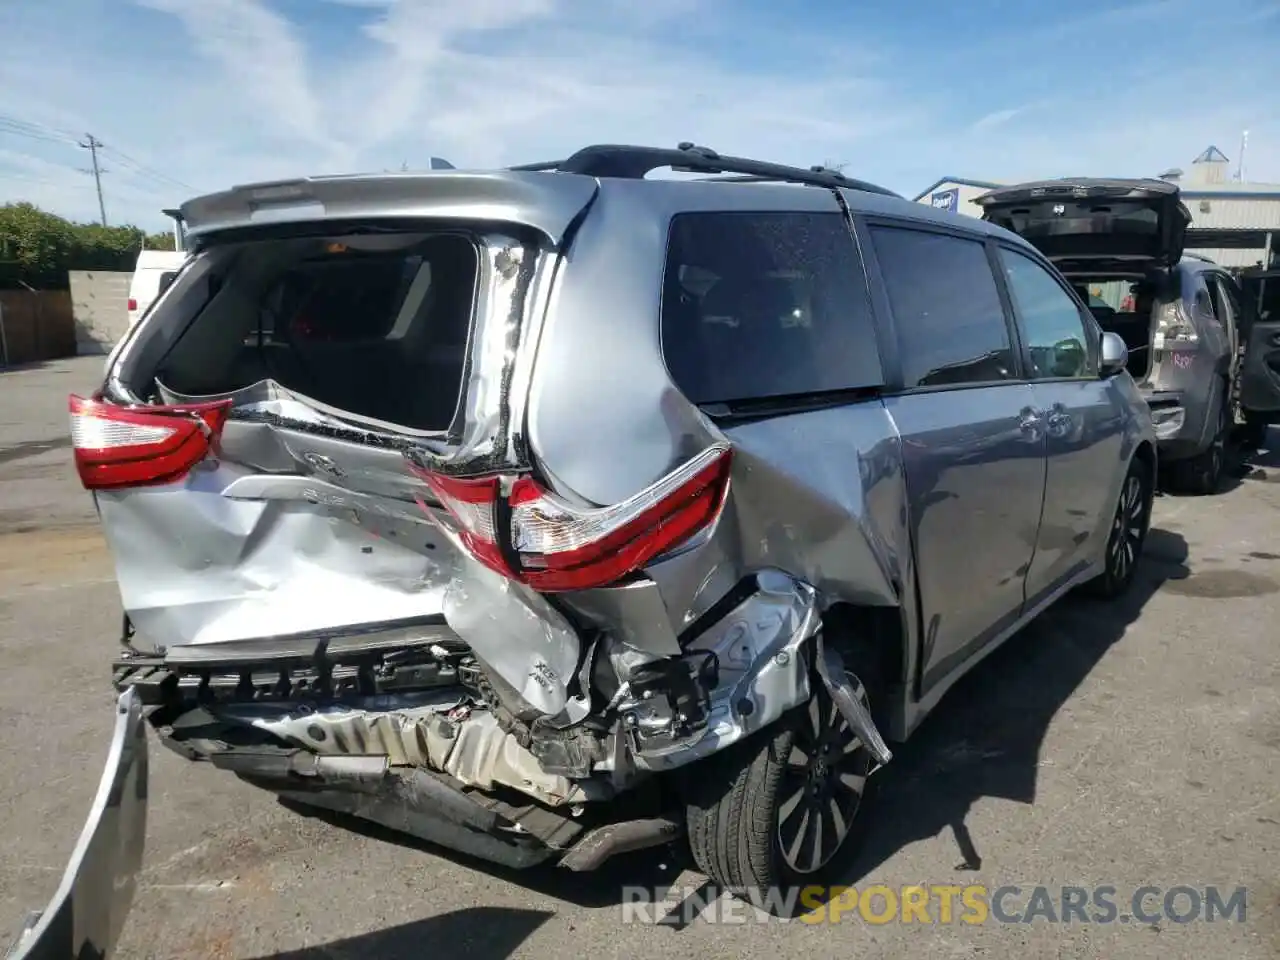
1212	155
1234	188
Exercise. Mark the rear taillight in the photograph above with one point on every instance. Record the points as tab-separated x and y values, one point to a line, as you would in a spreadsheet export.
133	304
140	446
554	546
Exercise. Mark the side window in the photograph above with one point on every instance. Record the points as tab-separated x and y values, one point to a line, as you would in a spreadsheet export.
1204	304
947	312
759	305
1240	310
1052	325
1226	303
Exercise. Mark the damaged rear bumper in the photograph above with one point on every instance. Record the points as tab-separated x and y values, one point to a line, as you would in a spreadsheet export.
401	724
374	725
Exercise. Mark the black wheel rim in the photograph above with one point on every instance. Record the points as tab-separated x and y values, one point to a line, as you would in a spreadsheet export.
822	788
1128	528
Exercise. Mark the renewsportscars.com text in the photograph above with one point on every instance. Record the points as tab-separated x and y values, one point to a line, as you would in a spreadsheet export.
972	904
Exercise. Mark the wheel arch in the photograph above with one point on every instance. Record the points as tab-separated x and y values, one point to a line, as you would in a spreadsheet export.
862	631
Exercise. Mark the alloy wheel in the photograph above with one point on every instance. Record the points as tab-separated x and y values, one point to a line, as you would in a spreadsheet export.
824	780
1128	528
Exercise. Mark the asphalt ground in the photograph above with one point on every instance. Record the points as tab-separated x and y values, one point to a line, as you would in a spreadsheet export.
1130	745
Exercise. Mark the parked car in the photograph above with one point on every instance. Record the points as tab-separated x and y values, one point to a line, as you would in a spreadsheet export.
551	512
152	274
1184	319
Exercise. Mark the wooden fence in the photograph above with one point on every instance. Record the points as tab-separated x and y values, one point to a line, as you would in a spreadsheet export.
36	325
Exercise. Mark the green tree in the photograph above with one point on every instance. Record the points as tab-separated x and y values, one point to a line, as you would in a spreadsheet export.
35	246
39	248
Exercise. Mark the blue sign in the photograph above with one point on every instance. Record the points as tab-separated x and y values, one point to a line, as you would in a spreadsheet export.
946	200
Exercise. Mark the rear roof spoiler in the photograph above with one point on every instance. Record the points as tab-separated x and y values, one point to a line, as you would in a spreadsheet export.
548	204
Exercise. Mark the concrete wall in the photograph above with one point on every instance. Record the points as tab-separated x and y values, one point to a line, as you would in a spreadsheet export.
100	301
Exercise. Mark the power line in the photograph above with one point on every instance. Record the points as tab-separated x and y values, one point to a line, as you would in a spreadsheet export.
92	144
138	167
34	131
48	134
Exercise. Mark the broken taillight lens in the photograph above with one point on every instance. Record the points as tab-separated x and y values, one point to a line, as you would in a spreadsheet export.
141	446
554	546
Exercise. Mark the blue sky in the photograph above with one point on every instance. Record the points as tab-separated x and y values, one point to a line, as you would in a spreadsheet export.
195	95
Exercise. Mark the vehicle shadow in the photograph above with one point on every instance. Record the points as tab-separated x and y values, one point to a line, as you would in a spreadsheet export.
982	741
653	870
484	933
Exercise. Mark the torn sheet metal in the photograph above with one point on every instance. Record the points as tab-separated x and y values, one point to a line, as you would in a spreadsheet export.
414	731
762	648
516	633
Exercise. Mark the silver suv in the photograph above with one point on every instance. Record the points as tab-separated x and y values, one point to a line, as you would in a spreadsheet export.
1182	317
551	512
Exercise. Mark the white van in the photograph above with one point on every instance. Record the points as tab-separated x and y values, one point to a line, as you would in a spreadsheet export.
154	271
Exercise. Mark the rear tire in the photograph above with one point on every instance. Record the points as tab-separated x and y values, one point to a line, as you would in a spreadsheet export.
1129	526
1201	475
791	804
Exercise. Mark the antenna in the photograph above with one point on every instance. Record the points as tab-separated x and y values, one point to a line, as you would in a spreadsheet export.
1244	145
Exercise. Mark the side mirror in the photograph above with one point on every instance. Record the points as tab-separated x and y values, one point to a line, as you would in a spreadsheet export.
1115	355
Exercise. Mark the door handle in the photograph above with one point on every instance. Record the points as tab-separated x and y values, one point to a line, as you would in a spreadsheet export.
1059	419
1029	419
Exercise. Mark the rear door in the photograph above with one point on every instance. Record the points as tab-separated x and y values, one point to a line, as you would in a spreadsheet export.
1228	309
1085	436
973	447
1081	224
1260	367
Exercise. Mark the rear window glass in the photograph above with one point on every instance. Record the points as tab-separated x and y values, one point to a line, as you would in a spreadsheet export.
759	305
374	325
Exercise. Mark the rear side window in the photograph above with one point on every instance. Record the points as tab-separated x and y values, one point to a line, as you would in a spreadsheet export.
947	313
760	305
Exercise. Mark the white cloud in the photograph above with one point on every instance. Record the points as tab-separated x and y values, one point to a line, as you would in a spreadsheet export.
995	118
217	92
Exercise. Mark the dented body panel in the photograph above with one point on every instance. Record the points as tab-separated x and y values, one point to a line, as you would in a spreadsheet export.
313	612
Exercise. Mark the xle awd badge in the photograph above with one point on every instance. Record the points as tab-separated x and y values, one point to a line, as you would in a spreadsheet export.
1059	209
318	461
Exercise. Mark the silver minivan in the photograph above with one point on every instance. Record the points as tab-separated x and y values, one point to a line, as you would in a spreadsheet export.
552	512
1182	317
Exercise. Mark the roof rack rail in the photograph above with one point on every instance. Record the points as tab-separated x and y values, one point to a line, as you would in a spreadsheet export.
634	163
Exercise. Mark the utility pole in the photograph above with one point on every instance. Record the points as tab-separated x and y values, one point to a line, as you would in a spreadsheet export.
92	144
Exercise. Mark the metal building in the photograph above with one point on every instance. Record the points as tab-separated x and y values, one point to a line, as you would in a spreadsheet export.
1234	222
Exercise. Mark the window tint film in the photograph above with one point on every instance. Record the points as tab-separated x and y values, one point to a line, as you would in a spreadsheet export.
1051	321
947	312
759	305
